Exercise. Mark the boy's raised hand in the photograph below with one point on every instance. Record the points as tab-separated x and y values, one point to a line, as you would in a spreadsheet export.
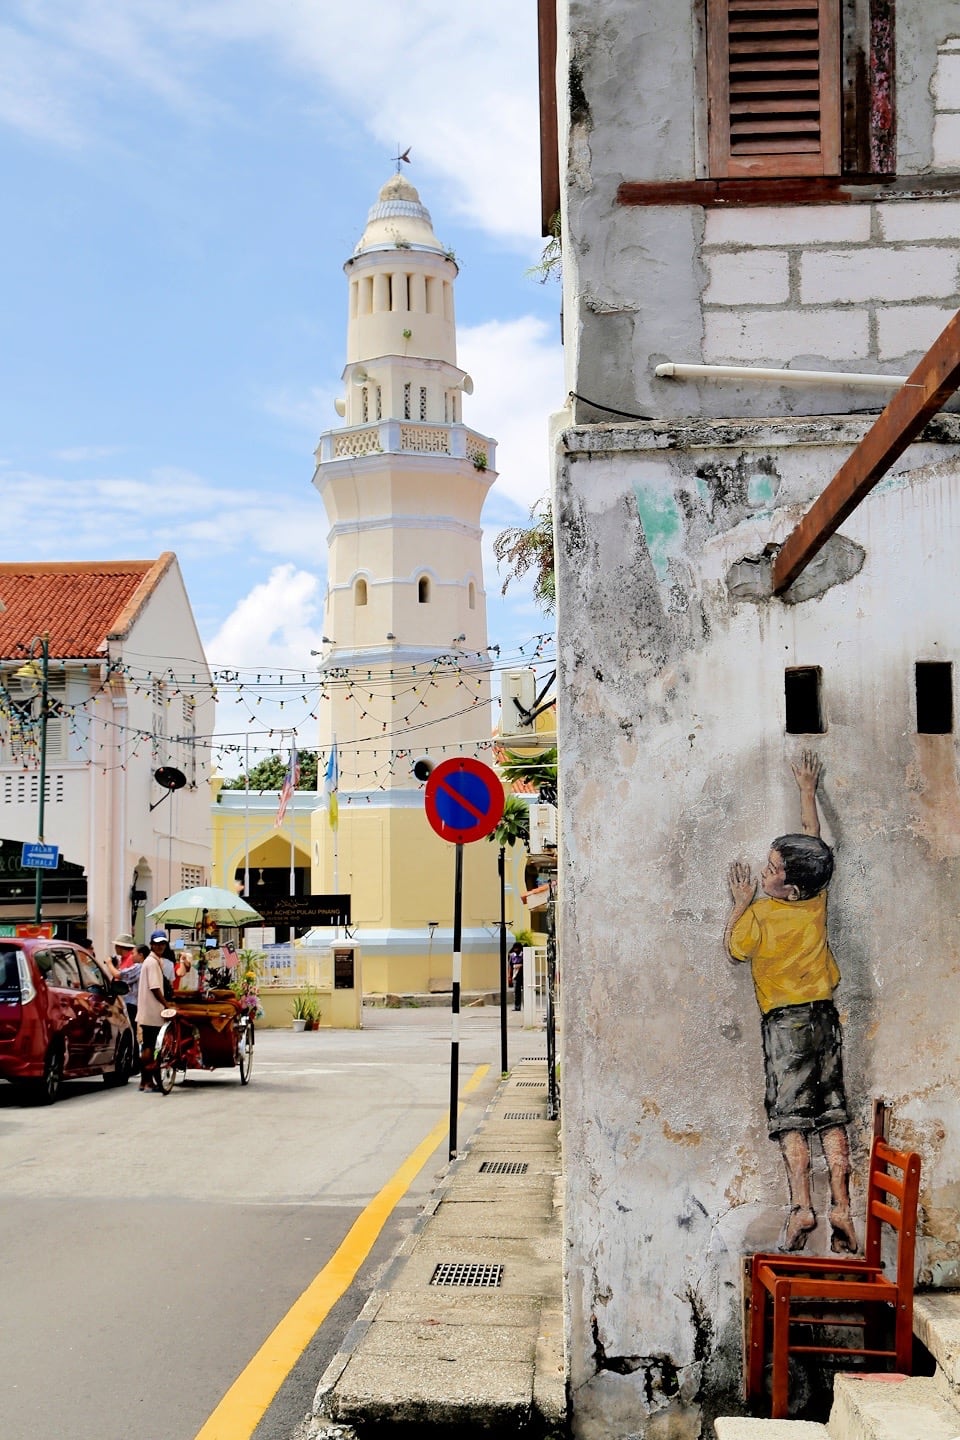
743	887
806	770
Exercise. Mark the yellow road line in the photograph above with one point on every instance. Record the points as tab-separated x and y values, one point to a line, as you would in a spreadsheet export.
249	1397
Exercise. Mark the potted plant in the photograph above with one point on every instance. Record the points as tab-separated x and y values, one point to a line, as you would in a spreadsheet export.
301	1011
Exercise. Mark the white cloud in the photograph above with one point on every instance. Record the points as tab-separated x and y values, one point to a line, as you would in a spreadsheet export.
456	82
78	454
169	509
517	370
272	629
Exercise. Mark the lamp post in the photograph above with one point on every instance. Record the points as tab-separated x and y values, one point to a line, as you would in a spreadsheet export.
34	670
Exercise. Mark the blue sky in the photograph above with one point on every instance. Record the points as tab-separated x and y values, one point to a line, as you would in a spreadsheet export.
183	180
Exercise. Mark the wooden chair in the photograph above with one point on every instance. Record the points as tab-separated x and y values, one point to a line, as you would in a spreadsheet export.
806	1294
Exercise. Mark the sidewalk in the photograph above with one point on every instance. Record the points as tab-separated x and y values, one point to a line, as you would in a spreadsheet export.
477	1344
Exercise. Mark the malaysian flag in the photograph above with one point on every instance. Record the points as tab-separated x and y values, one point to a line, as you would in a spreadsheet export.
290	781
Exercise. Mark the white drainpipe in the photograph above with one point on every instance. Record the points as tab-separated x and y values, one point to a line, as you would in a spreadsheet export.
759	375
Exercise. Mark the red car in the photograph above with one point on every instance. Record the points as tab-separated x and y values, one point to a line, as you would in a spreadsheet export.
60	1018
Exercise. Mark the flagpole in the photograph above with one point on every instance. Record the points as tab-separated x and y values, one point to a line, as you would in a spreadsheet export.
293	804
246	815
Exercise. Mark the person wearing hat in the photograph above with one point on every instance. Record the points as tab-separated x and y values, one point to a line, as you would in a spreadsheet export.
151	999
126	968
160	946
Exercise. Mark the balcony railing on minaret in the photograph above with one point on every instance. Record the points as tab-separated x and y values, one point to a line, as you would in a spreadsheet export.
403	437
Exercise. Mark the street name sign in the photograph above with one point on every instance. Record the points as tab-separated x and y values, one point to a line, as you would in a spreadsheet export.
40	857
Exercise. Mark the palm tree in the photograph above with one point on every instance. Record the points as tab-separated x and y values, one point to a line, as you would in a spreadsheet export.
514	825
539	770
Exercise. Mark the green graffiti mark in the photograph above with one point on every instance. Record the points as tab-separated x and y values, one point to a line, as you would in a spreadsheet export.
662	526
760	490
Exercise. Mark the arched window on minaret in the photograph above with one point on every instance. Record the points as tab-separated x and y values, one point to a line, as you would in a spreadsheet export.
423	590
406	400
472	595
360	592
378	401
364	404
423	402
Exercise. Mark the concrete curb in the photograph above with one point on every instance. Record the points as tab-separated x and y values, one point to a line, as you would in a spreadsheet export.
510	1373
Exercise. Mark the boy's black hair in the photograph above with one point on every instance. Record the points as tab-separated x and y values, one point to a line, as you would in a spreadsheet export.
807	863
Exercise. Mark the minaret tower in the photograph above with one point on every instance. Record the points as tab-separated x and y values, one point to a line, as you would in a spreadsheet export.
406	665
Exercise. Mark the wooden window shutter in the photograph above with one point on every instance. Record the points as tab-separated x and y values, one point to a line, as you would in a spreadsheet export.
773	70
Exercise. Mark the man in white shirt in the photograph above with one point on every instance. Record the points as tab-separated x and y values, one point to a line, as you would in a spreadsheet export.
150	1003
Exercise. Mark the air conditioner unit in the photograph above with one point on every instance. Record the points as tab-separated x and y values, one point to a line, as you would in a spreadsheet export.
543	829
518	693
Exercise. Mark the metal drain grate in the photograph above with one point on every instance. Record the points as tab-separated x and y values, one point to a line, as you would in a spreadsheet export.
504	1167
466	1272
539	1083
534	1057
523	1115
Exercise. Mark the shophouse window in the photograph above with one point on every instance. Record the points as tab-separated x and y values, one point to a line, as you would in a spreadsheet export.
774	87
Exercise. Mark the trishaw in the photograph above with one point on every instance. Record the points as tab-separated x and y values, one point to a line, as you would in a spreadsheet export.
204	1030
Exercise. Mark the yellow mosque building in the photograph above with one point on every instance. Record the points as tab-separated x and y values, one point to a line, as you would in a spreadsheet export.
405	666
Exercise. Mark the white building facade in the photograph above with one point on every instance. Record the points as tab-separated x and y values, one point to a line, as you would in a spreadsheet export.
706	223
129	692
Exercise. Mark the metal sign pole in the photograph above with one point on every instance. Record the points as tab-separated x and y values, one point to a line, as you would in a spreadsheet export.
455	1000
503	964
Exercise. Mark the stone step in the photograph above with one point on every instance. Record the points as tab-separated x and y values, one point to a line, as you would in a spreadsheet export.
738	1427
891	1407
936	1324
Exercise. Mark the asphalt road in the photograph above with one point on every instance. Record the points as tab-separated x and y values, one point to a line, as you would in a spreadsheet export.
150	1244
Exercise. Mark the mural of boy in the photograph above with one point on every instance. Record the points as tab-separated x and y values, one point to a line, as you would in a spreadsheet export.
784	937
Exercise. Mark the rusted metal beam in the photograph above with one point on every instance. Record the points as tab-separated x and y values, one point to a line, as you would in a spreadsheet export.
549	134
927	390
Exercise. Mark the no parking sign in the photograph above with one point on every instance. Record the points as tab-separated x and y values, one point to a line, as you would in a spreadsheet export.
464	800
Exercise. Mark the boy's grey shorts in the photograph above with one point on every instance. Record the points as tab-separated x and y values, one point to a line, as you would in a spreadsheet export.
803	1064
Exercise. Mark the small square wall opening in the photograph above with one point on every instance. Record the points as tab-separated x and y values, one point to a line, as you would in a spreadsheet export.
801	686
934	682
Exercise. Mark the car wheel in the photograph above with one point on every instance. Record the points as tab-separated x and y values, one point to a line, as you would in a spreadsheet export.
166	1062
245	1053
122	1065
47	1089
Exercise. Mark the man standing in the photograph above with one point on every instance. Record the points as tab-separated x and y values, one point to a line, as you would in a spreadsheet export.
125	967
150	1003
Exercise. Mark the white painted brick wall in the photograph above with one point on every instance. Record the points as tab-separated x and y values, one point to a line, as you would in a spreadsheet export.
946	141
799	225
911	273
751	278
777	337
905	329
921	220
946	78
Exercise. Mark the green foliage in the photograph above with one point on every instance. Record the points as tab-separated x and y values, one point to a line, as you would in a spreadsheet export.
539	770
268	774
530	547
524	937
550	264
514	823
306	1004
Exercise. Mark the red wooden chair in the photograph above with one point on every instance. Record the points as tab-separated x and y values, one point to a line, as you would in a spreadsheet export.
809	1294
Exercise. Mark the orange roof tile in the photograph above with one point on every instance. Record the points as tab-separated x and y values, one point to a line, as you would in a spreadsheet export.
77	603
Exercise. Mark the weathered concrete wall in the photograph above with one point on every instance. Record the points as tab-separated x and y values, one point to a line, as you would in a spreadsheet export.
675	762
858	287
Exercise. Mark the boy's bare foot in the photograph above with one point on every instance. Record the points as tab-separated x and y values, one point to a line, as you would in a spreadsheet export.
843	1237
798	1226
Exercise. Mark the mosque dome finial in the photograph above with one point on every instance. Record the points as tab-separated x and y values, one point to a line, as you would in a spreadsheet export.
399	220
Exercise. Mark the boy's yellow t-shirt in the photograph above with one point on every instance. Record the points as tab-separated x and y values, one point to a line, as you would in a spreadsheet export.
786	944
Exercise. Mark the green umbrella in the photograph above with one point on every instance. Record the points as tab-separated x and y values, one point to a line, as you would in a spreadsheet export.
204	902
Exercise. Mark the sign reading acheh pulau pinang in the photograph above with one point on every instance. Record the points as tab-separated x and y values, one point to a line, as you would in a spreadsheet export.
301	911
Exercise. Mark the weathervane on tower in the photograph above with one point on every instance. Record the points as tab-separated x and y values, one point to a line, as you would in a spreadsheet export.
402	157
